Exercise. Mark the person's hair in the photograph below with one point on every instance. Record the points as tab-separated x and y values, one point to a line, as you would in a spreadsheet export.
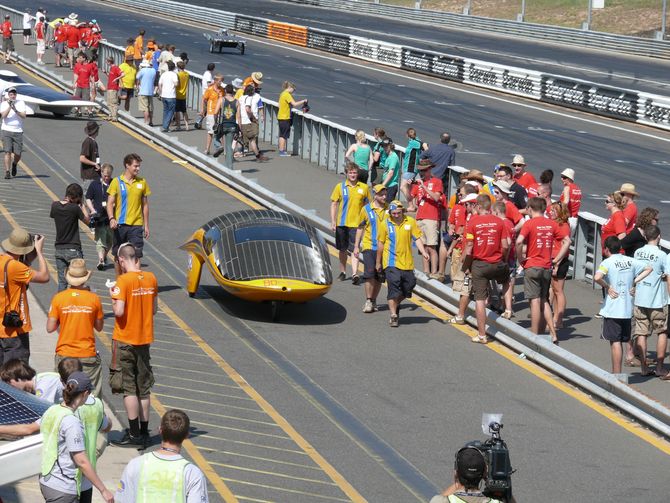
484	202
184	57
16	370
130	41
360	135
617	197
211	66
142	32
613	244
445	138
547	176
468	188
287	84
411	133
174	426
170	66
379	132
537	204
82	55
67	366
499	207
130	158
350	166
110	59
508	171
106	167
70	393
181	65
249	90
127	251
218	76
74	192
652	232
646	216
171	47
562	213
160	46
229	89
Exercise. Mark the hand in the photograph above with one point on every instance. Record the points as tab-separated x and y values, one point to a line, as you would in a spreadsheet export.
356	251
113	223
425	255
146	232
107	496
612	293
39	243
333	226
632	292
97	167
378	266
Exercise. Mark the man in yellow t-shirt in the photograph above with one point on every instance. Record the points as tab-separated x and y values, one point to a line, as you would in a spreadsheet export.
346	201
129	72
394	253
286	102
181	110
128	207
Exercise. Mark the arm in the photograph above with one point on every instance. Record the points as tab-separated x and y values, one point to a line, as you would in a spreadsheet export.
41	275
388	178
599	278
359	236
145	215
97	324
81	460
85	214
565	198
52	324
422	249
89	205
333	214
19	430
111	201
435	196
520	249
350	152
118	306
565	247
380	254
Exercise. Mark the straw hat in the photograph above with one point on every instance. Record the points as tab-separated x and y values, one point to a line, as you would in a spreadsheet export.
257	77
77	274
19	242
475	174
628	188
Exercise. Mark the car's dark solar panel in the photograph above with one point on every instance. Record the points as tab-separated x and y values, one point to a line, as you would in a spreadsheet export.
19	407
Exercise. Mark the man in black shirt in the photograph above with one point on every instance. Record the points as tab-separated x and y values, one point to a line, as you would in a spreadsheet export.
519	195
96	201
67	214
89	158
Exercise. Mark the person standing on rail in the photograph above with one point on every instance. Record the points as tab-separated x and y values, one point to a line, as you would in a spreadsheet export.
284	115
394	257
346	202
571	196
372	217
134	302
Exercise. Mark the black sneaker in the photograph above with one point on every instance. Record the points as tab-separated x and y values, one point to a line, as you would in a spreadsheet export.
101	266
355	279
342	276
129	441
13	169
217	152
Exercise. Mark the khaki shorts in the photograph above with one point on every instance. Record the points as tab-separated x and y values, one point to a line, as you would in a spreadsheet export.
250	131
650	321
135	365
536	283
210	121
457	274
430	230
145	103
483	272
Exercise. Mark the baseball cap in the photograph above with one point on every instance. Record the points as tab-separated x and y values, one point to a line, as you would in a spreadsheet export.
568	173
469	198
11	89
81	381
379	187
387	141
470	463
396	205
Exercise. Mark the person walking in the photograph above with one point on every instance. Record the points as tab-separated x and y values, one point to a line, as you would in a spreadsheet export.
67	213
12	111
7	38
181	110
227	125
167	90
211	105
284	115
360	154
89	158
114	75
250	118
83	80
145	83
460	283
76	312
96	201
134	302
522	177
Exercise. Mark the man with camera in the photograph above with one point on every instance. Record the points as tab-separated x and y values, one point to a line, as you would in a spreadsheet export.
20	249
12	111
426	192
96	200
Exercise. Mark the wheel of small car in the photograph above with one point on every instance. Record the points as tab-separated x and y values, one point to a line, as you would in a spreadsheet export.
211	47
241	48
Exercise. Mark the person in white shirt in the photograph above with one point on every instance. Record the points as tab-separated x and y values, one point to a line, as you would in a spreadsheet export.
250	103
167	88
12	111
27	25
208	76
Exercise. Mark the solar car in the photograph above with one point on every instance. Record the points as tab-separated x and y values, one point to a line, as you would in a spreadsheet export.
261	256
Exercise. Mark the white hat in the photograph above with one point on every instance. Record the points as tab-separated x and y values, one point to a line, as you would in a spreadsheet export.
568	173
469	198
237	83
518	159
504	186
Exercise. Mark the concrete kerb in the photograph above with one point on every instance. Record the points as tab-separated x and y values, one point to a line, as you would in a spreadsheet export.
559	361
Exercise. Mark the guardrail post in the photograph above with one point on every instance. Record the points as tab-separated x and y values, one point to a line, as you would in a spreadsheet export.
581	249
307	126
296	135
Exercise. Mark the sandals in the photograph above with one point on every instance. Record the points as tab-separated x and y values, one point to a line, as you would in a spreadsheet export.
481	340
508	315
456	321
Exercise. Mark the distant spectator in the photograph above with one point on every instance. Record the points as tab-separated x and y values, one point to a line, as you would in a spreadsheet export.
138	48
7	40
145	80
250	118
617	275
616	224
442	155
426	193
167	89
156	56
391	167
27	25
13	112
228	122
167	54
519	194
630	208
499	209
636	239
546	178
458	217
96	200
559	214
255	79
571	196
181	110
502	192
378	155
129	53
89	156
60	43
523	177
83	81
360	154
284	115
211	104
40	37
208	76
73	38
128	75
113	85
409	161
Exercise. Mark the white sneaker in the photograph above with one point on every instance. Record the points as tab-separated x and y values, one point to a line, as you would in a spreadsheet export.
368	307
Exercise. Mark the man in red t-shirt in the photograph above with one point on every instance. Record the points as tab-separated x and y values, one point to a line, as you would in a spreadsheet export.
426	193
522	177
630	210
502	191
7	40
40	30
83	78
486	246
113	77
571	196
458	219
539	235
72	39
60	35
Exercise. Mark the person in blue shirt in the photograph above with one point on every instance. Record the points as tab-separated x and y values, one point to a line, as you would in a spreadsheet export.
650	313
144	82
618	275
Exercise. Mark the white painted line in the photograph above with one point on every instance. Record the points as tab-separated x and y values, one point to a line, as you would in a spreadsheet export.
664	202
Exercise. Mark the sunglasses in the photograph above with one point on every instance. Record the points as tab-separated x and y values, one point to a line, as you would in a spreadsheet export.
518	165
609	202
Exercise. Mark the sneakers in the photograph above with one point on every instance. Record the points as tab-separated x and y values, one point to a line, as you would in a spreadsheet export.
481	340
13	169
393	322
508	315
355	279
101	266
130	441
456	320
369	306
374	307
217	152
284	153
7	175
341	276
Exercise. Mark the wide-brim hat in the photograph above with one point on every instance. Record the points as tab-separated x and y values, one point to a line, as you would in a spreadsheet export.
475	174
19	242
77	274
424	164
504	186
518	159
568	173
91	128
257	77
237	83
469	198
628	188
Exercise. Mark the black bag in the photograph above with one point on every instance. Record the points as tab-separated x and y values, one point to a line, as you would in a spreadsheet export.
11	319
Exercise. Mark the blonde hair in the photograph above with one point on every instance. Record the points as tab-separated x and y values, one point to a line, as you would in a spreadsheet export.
106	167
561	210
617	198
287	84
360	136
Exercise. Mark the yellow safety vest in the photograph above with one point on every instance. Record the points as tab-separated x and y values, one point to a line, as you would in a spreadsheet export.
161	480
91	418
50	428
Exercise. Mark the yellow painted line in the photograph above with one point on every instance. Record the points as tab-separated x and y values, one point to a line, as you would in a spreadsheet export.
283	489
260	458
253	444
346	487
274	474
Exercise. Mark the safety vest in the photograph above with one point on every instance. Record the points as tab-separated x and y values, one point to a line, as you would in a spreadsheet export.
476	497
90	416
161	480
50	428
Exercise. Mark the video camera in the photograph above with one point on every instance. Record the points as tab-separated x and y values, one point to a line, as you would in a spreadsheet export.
305	107
498	482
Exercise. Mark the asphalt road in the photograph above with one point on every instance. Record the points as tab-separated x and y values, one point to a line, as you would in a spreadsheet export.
386	409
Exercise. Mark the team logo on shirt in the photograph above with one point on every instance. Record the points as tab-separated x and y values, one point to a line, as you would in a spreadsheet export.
120	487
116	290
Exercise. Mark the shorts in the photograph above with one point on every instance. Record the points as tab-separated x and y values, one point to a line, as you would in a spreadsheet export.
41	47
104	237
536	283
483	272
391	193
128	91
12	142
616	329
71	52
27	32
180	106
408	176
210	122
457	274
59	48
430	230
82	92
345	238
250	131
8	45
57	496
135	363
400	283
285	128
370	265
92	367
563	268
650	321
363	175
133	234
145	103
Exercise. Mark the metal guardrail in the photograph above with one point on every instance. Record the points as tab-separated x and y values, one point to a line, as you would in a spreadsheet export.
637	46
559	361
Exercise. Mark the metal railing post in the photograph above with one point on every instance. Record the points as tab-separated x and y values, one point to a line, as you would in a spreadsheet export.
664	14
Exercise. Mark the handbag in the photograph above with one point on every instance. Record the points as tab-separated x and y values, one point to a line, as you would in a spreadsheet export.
11	318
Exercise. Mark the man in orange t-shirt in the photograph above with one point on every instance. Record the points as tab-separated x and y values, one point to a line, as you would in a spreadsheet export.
134	302
20	248
138	48
211	104
77	311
